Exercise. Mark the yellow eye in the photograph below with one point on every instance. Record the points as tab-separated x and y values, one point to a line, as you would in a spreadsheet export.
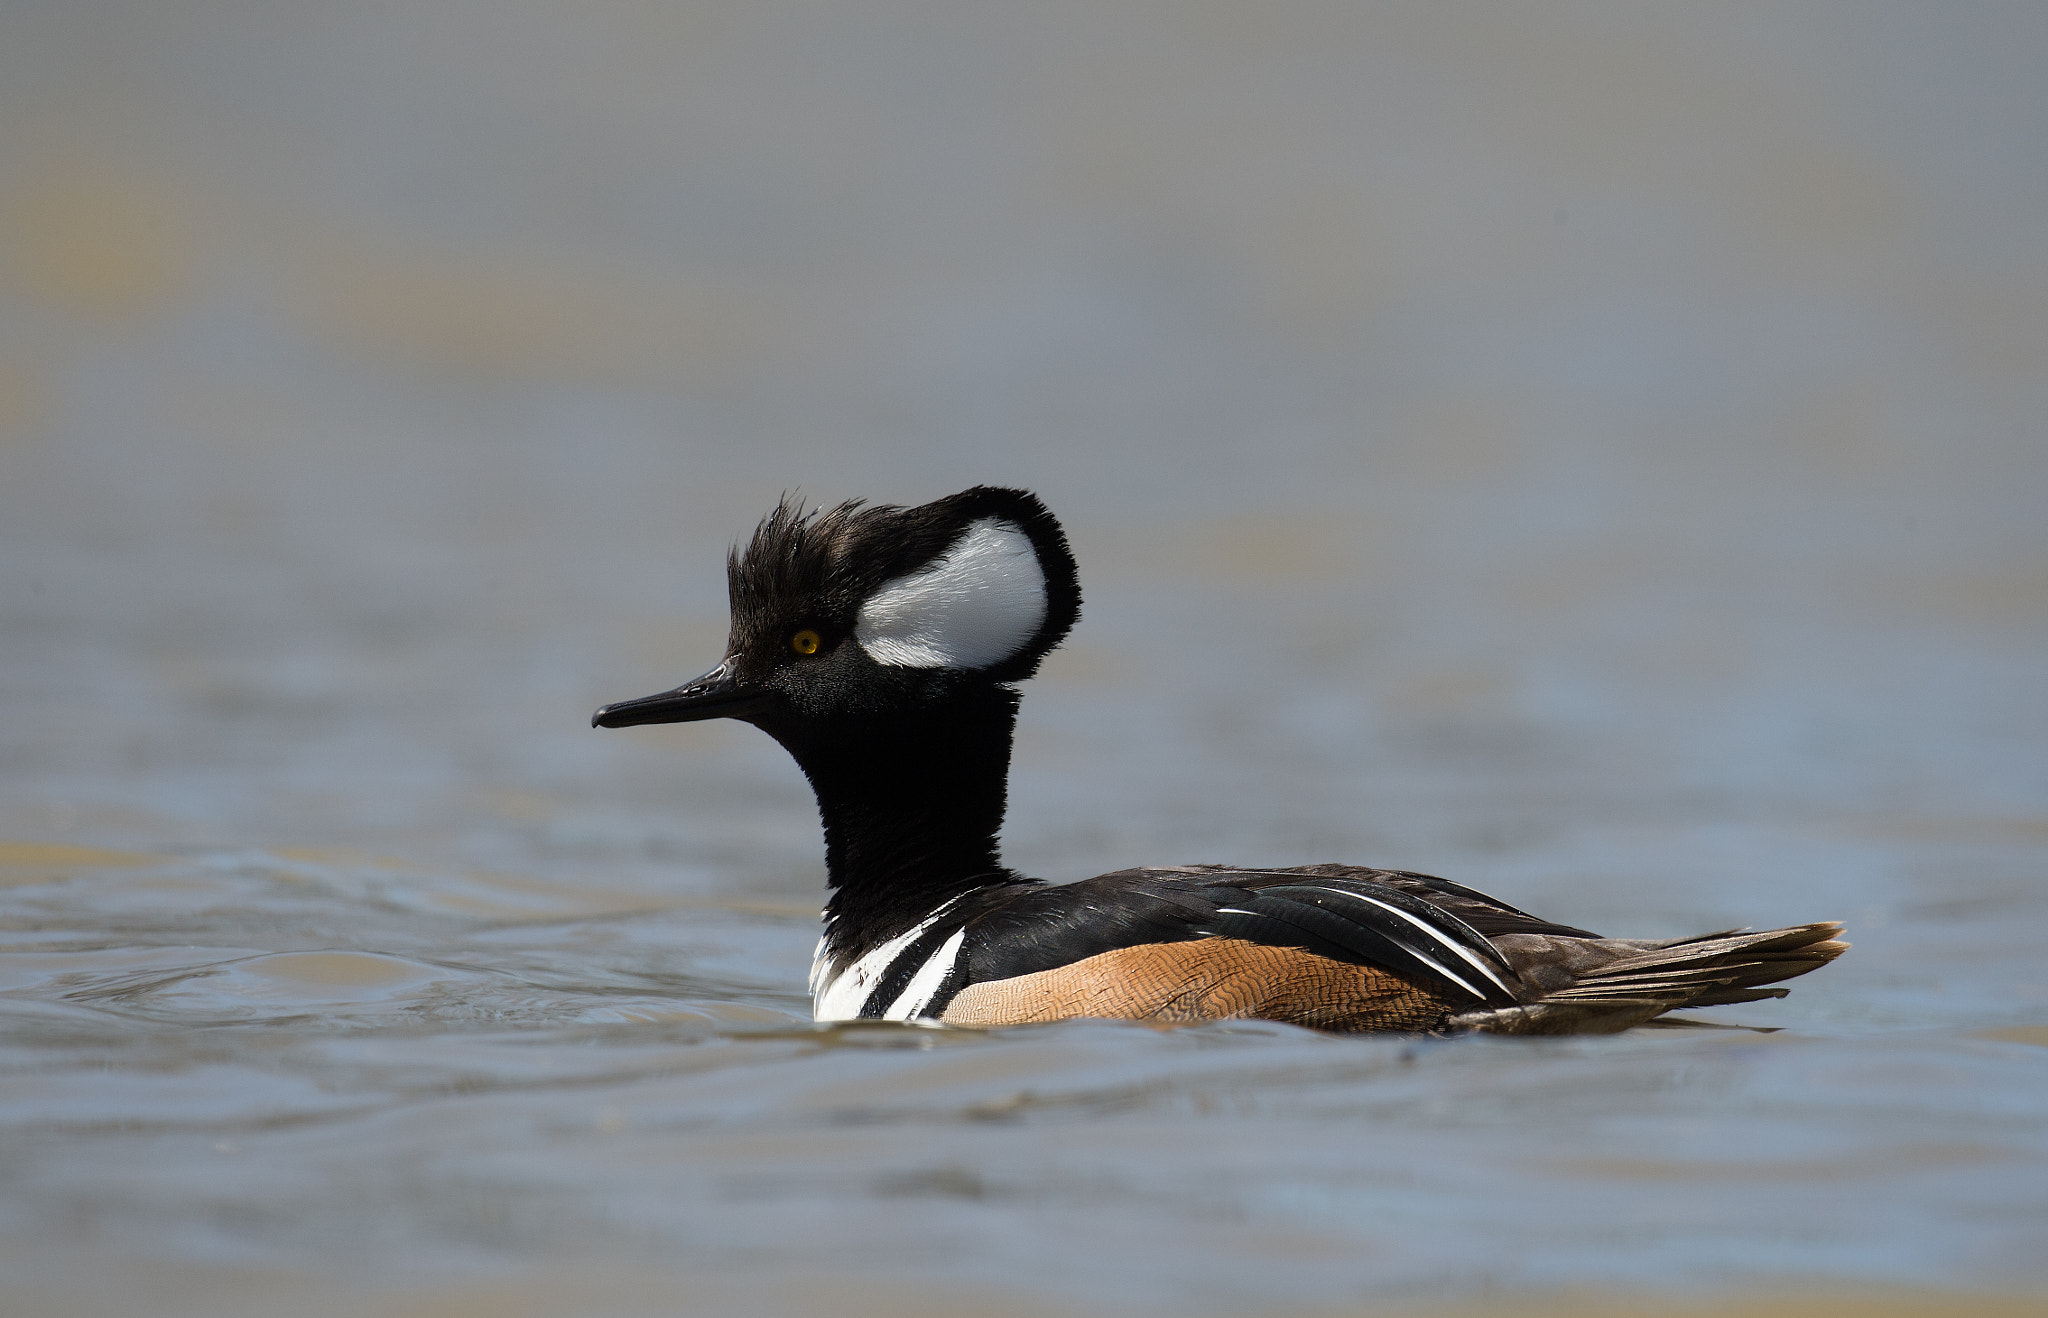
805	642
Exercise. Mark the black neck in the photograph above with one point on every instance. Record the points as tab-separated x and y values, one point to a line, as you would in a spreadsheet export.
911	804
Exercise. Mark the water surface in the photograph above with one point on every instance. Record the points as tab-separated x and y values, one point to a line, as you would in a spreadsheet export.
1596	456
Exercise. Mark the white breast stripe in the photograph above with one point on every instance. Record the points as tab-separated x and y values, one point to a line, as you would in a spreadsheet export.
1478	963
840	997
819	965
910	1003
975	605
845	993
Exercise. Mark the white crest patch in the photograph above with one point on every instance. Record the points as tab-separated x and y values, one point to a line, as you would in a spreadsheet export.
975	605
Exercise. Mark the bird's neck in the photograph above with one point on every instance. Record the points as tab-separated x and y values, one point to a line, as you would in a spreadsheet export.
912	807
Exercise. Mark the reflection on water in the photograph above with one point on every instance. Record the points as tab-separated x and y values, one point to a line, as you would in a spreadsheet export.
1594	454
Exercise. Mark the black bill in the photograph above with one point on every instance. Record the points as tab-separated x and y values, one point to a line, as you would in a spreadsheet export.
717	694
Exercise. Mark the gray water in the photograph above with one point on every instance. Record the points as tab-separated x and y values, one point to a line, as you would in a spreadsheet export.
1593	454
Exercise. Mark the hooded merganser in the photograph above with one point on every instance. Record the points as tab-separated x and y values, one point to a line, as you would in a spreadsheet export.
879	646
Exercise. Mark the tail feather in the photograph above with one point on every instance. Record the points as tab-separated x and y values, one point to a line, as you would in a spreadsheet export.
1718	964
1638	985
1548	1017
1652	979
1722	997
1694	951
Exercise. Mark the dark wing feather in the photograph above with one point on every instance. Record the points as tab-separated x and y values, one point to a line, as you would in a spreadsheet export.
1363	933
1342	917
1434	914
1276	922
1029	929
1485	915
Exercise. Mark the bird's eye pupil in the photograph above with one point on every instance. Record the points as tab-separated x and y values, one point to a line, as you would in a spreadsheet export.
805	642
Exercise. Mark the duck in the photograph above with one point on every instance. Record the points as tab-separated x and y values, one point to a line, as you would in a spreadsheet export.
882	647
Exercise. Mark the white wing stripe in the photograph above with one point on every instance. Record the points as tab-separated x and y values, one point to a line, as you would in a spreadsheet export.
1419	955
1435	934
1445	971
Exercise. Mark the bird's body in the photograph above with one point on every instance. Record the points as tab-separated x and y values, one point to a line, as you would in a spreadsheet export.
879	645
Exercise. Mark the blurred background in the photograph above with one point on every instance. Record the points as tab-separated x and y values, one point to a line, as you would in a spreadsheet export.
1594	452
